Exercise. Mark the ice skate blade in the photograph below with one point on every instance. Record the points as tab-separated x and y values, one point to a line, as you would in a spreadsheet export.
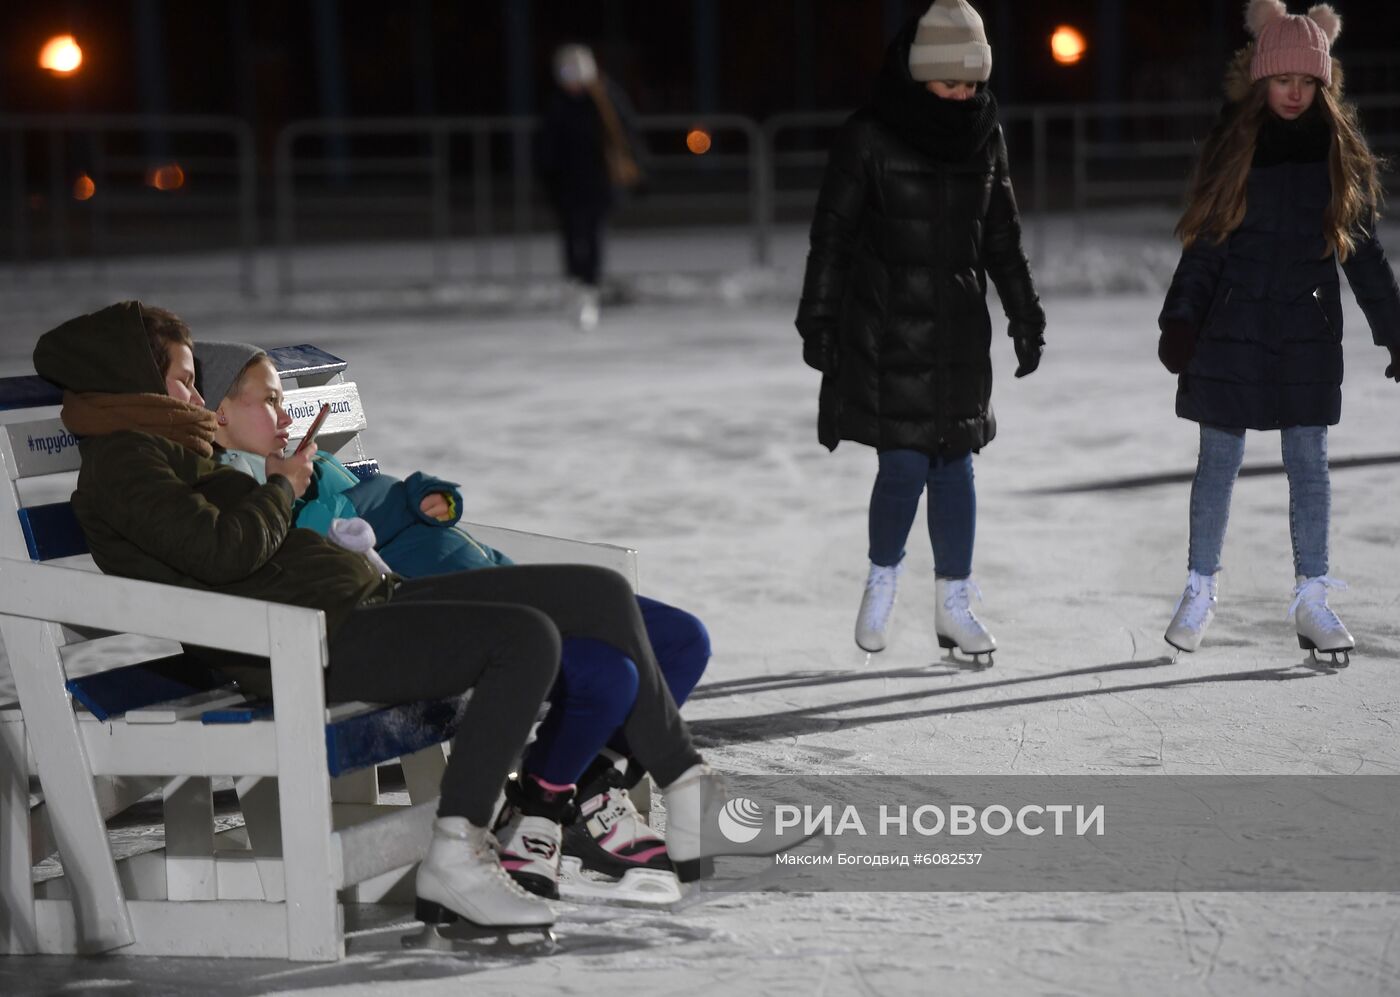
635	888
1308	645
461	936
972	660
1334	662
770	877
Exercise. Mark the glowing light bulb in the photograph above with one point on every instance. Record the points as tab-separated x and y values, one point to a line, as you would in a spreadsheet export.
1067	45
83	188
698	141
167	176
61	55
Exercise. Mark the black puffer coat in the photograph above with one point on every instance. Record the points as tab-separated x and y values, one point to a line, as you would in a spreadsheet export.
1267	302
915	212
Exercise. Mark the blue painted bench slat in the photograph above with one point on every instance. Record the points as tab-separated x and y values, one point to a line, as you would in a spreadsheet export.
111	693
28	391
305	361
52	531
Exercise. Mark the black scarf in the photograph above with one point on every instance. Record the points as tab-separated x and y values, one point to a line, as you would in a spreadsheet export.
949	131
1305	139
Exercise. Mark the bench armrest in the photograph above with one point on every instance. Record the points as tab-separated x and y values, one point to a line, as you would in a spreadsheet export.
537	548
87	599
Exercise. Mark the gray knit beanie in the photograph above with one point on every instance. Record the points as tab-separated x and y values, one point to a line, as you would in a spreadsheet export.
950	45
217	366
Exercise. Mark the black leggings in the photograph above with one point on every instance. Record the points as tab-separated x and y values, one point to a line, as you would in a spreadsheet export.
497	632
582	231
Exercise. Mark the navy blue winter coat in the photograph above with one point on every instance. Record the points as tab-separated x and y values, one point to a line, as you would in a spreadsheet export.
1267	301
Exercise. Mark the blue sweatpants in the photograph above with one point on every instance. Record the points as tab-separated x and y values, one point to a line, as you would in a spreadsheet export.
597	686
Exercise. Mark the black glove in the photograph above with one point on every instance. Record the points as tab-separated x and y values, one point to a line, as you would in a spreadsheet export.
1393	371
1028	352
819	352
1177	345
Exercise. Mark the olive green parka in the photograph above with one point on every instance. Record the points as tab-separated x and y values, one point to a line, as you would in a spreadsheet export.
153	510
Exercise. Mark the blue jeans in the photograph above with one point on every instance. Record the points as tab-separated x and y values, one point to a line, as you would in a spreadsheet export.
952	509
1309	496
597	687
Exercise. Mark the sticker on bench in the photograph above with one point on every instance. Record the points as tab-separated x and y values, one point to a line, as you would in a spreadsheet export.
347	415
44	446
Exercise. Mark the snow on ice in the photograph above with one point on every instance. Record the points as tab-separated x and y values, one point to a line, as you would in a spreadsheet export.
685	427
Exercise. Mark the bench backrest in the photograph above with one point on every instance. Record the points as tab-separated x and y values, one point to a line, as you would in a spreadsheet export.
40	460
40	456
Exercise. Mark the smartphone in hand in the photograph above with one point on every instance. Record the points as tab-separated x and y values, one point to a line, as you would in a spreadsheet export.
310	438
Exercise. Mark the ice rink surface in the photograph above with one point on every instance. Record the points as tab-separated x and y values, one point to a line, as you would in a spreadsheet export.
687	430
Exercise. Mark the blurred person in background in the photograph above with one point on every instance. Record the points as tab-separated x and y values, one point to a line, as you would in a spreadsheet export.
587	157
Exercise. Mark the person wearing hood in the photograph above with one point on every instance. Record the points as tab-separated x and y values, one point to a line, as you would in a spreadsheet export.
413	526
916	211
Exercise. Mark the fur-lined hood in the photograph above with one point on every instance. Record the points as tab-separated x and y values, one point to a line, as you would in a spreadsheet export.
1238	83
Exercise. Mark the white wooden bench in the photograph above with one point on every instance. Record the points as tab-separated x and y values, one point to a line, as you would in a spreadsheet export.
317	833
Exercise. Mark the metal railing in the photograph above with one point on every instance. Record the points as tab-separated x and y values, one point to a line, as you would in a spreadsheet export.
103	168
1077	156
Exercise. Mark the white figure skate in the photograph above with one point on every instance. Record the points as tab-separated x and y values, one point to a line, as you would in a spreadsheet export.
876	605
954	622
462	880
1319	629
1194	611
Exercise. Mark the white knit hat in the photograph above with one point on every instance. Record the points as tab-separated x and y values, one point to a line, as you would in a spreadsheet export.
574	65
951	44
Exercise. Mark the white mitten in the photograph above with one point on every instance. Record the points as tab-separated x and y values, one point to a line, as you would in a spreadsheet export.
357	535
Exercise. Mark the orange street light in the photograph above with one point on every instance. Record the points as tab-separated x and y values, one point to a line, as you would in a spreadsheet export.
61	55
1067	45
83	188
166	177
698	141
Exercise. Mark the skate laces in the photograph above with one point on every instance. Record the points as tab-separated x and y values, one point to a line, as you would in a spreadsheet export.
1313	592
959	598
880	588
1196	607
488	853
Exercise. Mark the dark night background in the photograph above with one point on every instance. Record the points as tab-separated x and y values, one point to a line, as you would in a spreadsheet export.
259	66
278	60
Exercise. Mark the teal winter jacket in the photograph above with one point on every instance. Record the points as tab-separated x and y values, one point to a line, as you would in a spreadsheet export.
412	543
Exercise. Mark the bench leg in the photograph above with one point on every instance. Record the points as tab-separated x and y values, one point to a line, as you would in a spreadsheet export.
309	869
257	798
422	771
102	918
17	929
189	840
360	786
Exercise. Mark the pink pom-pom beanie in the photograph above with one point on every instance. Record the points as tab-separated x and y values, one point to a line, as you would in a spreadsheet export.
1291	43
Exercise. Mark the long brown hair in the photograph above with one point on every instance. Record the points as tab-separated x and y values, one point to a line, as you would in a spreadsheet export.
1215	199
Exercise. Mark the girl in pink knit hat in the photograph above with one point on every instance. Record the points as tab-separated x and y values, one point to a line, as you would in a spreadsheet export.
1285	188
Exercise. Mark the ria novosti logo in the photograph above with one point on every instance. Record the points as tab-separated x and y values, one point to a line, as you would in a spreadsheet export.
741	820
